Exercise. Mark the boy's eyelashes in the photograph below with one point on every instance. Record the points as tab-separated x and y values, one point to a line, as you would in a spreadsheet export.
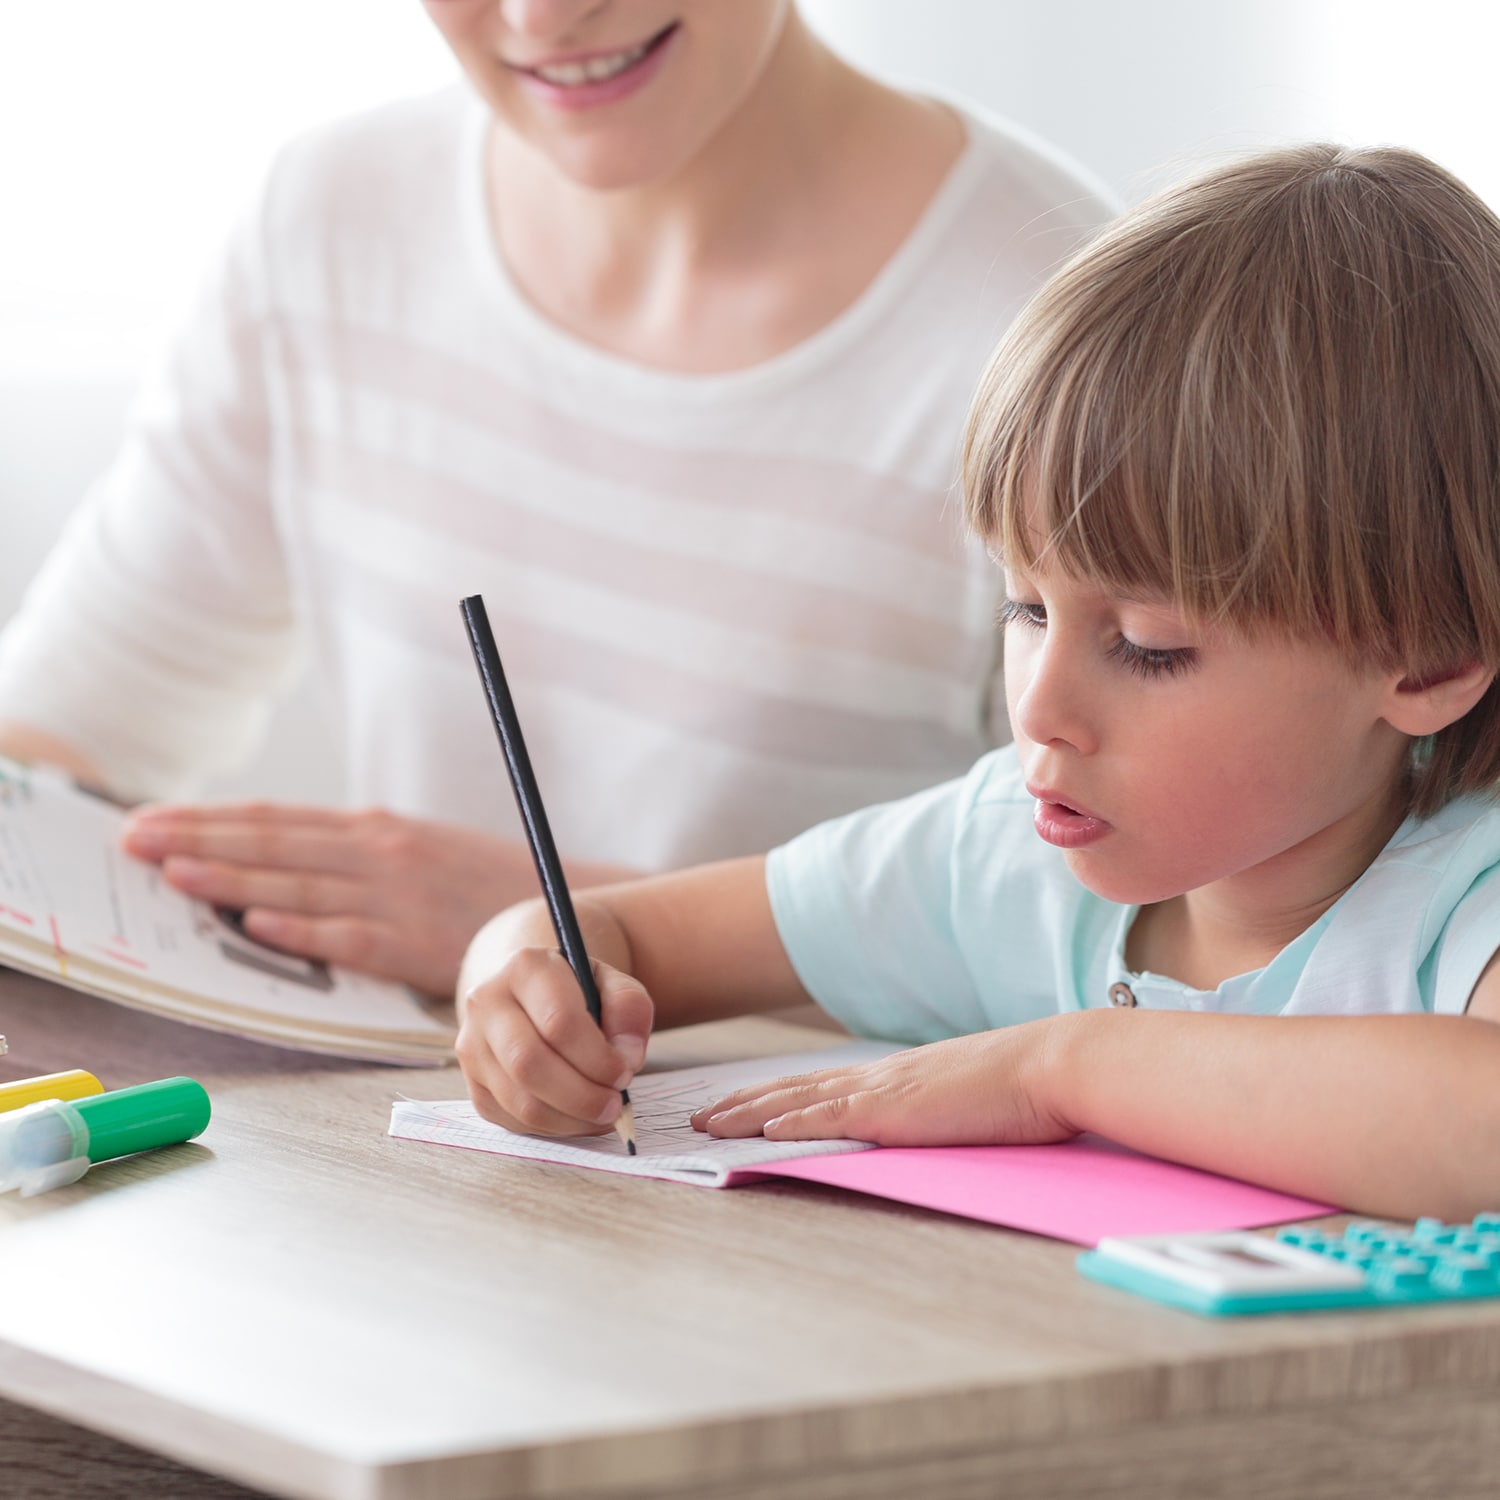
1154	661
1144	661
1013	612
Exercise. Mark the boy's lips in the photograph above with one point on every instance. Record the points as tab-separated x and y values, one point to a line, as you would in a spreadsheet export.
1062	822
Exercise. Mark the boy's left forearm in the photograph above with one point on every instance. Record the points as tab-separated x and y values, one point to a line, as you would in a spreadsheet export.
1393	1115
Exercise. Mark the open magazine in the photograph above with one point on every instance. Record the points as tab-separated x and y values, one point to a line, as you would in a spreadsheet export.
75	908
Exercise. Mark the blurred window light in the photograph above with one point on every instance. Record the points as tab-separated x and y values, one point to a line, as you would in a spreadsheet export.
132	134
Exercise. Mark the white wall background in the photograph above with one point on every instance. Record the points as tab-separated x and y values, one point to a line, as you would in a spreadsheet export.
131	132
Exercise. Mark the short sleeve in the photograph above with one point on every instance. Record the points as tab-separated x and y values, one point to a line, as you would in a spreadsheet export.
863	905
1470	939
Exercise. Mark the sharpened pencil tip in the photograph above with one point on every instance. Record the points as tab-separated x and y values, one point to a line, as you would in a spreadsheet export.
625	1124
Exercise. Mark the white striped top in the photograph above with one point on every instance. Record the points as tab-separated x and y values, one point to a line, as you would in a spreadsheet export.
729	605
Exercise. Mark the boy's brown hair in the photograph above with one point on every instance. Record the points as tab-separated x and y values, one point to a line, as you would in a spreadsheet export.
1273	396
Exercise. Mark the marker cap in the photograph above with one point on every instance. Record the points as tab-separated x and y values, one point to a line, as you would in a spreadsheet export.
42	1145
54	1142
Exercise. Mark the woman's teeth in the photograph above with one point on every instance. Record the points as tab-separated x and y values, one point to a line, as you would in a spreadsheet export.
595	70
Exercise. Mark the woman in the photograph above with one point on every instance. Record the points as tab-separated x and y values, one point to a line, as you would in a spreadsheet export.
657	334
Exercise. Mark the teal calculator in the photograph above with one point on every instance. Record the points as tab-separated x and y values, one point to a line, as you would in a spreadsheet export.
1369	1264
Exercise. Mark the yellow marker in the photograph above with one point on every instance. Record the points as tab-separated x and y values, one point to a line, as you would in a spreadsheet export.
75	1084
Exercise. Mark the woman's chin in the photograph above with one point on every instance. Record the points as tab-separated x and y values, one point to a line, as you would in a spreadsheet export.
616	159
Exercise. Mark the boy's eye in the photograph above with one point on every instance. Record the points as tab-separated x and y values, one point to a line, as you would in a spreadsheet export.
1144	661
1154	661
1013	612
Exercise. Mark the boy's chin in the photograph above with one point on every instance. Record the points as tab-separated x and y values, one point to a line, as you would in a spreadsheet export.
1123	887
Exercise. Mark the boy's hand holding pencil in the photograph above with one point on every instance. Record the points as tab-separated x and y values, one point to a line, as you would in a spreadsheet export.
534	1059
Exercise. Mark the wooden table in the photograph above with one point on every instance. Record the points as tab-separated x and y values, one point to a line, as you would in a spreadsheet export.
302	1305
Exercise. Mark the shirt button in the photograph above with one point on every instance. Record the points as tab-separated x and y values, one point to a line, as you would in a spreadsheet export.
1121	994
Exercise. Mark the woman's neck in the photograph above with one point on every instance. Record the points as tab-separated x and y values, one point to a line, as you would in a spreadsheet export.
774	227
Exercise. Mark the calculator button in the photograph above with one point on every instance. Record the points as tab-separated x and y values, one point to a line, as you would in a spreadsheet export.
1487	1224
1398	1278
1309	1239
1435	1232
1427	1259
1462	1273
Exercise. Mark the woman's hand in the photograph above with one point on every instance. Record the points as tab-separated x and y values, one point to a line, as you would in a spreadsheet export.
387	895
533	1057
994	1088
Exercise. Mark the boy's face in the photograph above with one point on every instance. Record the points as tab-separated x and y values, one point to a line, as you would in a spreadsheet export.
1166	759
615	93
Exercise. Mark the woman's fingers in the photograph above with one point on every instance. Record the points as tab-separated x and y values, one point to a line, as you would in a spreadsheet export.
256	811
260	836
349	942
243	887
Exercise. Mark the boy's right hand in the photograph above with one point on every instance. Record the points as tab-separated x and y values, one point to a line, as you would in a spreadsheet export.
533	1057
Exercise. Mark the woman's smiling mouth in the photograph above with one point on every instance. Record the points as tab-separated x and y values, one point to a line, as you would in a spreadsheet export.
595	68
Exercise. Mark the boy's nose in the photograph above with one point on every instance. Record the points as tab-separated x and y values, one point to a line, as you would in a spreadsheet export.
1050	704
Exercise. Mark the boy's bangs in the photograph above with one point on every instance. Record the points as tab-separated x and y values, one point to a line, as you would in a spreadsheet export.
1073	494
1168	418
1098	465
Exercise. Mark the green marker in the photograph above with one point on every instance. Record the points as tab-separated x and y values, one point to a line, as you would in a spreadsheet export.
54	1142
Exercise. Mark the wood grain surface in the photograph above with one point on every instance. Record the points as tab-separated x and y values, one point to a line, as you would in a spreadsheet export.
301	1305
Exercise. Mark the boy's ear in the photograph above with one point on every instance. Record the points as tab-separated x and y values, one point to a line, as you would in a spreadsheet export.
1420	706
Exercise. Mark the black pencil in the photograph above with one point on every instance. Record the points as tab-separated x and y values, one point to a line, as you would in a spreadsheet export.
538	833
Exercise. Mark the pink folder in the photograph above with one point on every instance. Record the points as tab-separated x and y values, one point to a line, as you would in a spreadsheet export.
1080	1191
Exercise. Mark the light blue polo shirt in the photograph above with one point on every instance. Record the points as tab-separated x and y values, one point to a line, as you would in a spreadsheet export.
945	913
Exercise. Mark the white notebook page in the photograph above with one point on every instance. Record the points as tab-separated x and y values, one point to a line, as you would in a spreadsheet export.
667	1145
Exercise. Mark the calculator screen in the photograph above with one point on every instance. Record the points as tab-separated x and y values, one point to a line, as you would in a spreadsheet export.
1249	1258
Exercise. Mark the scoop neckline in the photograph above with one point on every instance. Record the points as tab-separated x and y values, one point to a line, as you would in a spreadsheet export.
585	360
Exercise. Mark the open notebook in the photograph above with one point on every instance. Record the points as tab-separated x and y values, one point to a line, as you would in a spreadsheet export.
76	909
667	1146
1080	1190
